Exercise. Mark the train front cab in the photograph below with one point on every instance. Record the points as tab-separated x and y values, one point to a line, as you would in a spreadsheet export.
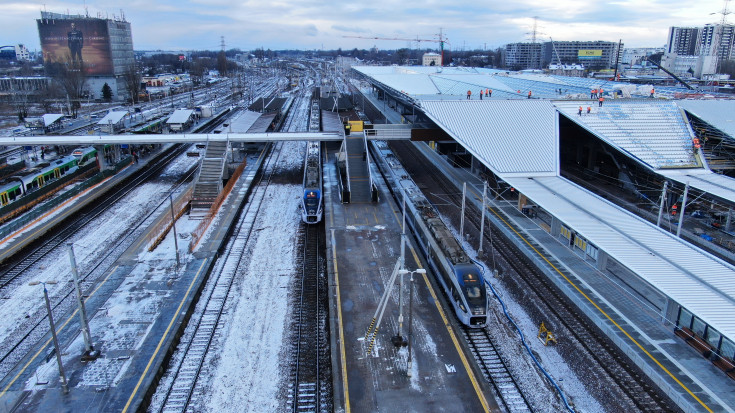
312	206
473	300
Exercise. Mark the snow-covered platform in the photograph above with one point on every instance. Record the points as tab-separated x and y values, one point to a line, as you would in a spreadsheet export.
626	308
136	314
363	247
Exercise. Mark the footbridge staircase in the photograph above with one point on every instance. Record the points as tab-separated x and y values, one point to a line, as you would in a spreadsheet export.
209	181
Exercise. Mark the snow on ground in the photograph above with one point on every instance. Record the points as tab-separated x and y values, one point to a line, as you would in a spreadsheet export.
248	374
123	322
176	168
522	366
99	237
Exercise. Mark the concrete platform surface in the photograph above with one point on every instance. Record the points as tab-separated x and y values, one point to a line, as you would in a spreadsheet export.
363	247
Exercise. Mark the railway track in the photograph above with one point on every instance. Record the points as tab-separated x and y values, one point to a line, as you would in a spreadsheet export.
181	391
536	289
607	356
493	367
35	327
71	226
310	371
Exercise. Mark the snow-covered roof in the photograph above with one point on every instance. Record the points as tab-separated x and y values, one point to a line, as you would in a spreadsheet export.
411	84
50	118
511	137
113	117
180	116
695	279
243	122
718	113
654	132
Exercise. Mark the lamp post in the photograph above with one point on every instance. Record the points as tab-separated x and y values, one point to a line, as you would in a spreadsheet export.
62	376
410	315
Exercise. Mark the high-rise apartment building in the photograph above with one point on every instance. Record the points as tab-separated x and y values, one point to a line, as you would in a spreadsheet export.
102	47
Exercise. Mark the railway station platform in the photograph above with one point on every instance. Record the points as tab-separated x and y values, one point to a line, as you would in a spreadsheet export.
38	228
363	246
134	341
622	305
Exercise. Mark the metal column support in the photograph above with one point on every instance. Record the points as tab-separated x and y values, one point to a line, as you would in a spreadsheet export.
482	220
461	221
683	208
661	206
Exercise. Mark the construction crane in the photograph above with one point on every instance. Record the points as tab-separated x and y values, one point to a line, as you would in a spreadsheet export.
441	40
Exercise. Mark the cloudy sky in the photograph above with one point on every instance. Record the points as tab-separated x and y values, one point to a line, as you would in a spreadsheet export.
315	24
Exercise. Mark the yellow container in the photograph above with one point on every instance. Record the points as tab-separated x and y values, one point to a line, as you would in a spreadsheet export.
355	125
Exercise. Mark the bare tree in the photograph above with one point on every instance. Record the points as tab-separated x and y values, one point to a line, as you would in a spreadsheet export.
222	64
72	79
196	71
133	80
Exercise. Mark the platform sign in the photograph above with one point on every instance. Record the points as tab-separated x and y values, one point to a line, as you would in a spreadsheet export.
85	41
589	54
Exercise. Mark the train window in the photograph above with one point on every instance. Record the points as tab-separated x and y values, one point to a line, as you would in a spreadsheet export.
727	349
685	318
713	337
698	327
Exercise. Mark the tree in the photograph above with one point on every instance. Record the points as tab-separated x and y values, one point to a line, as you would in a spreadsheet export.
222	64
107	92
72	79
196	71
133	80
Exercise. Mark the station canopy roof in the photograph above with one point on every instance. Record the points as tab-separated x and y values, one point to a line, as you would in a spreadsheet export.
718	113
50	118
113	117
180	116
421	82
243	122
512	137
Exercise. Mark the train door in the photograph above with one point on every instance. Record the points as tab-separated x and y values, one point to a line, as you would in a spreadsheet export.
40	180
57	173
4	198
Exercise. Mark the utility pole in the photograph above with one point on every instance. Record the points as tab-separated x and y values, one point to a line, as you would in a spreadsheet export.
80	302
661	206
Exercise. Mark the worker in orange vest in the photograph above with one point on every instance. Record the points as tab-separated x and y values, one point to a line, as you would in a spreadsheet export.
589	109
580	111
529	94
593	94
653	91
600	92
600	100
469	94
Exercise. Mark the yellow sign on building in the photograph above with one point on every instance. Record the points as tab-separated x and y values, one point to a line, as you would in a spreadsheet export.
589	53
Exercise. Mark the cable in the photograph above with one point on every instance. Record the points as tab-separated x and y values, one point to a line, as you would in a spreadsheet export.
523	340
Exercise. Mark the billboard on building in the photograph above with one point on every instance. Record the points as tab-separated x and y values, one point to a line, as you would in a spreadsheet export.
584	54
77	40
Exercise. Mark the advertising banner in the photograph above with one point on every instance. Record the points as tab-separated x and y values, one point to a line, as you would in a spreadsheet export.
589	54
77	40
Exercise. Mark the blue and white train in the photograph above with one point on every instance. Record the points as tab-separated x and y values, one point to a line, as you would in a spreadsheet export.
462	280
312	202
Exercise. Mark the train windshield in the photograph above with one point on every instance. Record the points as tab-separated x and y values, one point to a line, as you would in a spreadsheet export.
474	290
311	201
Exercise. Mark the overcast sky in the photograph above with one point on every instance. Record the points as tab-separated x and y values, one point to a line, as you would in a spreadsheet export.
315	24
